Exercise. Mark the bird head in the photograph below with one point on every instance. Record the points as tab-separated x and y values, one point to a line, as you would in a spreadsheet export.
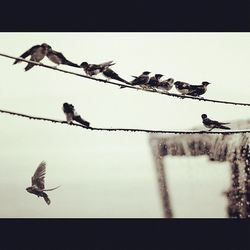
28	189
46	46
158	76
84	65
205	83
203	116
146	73
68	108
170	80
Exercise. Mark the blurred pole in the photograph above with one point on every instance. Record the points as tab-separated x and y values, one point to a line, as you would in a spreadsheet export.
247	182
162	180
234	197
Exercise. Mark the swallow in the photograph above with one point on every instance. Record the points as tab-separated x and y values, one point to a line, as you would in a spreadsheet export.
182	87
36	53
58	58
37	182
110	74
154	80
71	115
94	69
166	85
143	79
212	123
198	90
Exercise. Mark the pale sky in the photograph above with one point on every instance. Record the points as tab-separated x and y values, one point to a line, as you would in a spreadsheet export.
112	174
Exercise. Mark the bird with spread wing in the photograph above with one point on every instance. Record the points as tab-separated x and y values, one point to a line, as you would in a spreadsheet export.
37	182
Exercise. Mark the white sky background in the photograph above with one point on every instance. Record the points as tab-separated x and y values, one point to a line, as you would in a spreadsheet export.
111	174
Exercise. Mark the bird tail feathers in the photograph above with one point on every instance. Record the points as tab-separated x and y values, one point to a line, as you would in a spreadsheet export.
82	121
224	127
72	64
46	198
29	66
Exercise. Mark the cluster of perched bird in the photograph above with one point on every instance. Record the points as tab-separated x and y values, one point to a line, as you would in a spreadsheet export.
37	54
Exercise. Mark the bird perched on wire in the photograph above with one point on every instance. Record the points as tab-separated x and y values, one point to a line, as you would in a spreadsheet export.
58	58
212	123
37	182
198	90
71	115
154	80
94	69
140	80
182	87
192	90
36	53
166	85
110	74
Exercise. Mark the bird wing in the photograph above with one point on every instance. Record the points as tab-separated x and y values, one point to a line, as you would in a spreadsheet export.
60	55
27	53
195	87
50	189
105	64
182	85
93	67
39	175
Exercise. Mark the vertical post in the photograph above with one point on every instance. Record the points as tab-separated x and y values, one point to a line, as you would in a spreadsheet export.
162	180
234	197
247	182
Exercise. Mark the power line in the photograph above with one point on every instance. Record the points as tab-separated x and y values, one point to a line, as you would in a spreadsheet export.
127	86
127	129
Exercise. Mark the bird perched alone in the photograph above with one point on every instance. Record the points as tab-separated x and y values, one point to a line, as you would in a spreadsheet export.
94	69
166	85
154	80
212	123
71	115
58	58
143	79
36	53
110	74
37	182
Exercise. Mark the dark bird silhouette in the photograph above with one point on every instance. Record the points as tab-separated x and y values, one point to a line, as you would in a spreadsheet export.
110	74
94	69
36	53
58	58
143	79
71	115
198	90
182	87
166	85
212	123
154	80
37	182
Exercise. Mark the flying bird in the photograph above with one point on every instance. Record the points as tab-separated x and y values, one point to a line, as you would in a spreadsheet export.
71	115
36	53
58	58
166	85
154	80
198	90
143	79
37	182
94	69
212	123
110	74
